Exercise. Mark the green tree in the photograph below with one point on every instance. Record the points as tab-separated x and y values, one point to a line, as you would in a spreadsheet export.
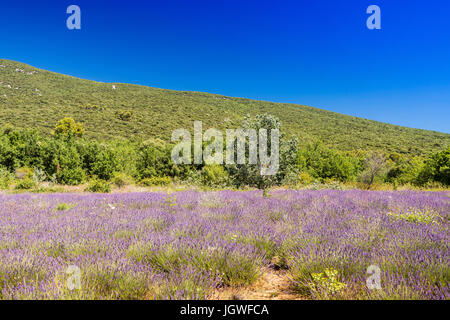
251	174
62	161
436	168
404	169
324	163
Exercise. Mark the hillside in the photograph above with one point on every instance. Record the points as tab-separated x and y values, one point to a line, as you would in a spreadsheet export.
35	98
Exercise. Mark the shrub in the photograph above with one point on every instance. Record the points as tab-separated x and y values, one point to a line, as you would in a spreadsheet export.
5	178
326	283
305	178
415	215
8	154
404	170
156	181
69	176
24	173
214	175
62	160
39	175
291	179
121	179
323	163
124	115
105	164
99	186
67	127
20	149
25	184
7	128
154	161
437	168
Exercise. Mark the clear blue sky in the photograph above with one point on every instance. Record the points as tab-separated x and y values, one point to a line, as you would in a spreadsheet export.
317	53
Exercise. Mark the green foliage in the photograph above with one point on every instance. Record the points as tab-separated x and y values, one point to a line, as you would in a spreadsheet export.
65	206
24	173
19	148
156	181
404	169
99	186
62	160
323	163
166	110
124	115
7	129
67	127
305	178
105	164
8	154
154	161
151	162
414	215
68	160
5	178
121	179
436	168
326	283
25	184
250	174
316	185
214	176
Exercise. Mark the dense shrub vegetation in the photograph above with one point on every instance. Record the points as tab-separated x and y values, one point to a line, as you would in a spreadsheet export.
37	99
27	158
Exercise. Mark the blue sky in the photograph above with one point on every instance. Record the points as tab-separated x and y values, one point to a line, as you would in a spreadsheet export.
317	53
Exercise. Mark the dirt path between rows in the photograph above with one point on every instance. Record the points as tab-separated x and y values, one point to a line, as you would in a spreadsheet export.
271	285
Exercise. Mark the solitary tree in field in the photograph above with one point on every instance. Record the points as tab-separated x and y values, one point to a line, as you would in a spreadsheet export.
252	174
375	165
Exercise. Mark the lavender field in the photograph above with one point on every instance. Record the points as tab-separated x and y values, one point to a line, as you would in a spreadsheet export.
188	245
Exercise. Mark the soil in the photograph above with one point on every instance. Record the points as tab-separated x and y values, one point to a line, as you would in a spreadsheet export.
271	285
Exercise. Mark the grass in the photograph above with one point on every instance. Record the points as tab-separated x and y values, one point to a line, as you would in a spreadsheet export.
39	99
65	206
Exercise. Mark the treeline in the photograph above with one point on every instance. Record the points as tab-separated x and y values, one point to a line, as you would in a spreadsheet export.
319	162
27	158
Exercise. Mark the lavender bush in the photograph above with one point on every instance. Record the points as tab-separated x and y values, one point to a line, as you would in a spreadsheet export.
185	245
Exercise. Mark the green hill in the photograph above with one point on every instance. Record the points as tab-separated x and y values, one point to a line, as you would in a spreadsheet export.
34	98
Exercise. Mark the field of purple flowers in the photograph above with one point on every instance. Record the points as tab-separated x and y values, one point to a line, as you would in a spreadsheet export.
186	245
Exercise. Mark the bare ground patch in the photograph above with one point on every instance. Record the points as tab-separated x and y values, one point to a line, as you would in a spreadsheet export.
271	285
